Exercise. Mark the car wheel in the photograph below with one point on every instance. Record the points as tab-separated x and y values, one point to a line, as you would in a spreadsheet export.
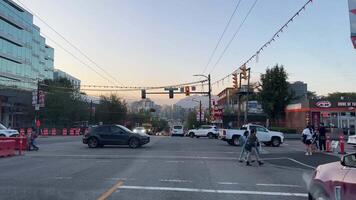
276	141
191	134
317	194
236	140
93	142
210	135
2	135
134	143
230	142
267	143
198	137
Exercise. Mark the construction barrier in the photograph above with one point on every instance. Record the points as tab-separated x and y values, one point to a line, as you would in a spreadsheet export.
328	143
71	131
45	132
64	131
77	131
342	144
7	148
53	132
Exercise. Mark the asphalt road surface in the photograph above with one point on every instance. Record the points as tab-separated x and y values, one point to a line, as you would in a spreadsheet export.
167	168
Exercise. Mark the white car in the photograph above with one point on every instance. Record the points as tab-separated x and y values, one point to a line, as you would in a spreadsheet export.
139	130
177	131
5	132
352	140
204	131
232	136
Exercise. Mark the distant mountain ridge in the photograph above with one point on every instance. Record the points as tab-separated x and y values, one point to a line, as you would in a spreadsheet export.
188	102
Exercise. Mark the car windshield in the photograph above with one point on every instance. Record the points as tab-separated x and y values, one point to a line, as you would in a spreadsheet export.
124	128
139	128
2	127
177	127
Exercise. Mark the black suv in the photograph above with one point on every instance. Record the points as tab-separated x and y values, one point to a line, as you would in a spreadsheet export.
101	135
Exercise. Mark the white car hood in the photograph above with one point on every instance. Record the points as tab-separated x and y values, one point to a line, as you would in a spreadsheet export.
276	133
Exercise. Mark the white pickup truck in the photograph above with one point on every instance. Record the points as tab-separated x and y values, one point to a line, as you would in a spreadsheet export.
204	131
232	136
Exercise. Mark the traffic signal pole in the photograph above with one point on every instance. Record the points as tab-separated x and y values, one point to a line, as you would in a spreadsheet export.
209	94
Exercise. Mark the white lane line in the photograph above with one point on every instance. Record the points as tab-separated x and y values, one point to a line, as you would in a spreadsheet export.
174	161
305	165
175	180
247	192
62	177
120	179
228	183
277	185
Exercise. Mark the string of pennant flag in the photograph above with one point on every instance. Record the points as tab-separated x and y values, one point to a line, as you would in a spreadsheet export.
262	48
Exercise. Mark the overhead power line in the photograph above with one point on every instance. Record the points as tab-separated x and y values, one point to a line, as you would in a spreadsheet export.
234	35
222	35
268	43
71	44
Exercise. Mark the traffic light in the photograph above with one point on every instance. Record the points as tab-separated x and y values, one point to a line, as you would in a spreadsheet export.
187	90
171	94
234	80
243	72
143	94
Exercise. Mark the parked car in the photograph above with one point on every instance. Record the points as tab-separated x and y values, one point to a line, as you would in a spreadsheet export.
5	132
352	140
335	181
101	135
204	131
231	136
177	131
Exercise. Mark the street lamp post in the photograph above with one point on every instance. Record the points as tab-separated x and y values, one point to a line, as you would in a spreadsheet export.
209	92
200	110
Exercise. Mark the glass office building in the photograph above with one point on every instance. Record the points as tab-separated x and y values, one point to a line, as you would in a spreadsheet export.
24	55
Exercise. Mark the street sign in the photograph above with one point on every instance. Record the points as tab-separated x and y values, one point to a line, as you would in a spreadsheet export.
37	107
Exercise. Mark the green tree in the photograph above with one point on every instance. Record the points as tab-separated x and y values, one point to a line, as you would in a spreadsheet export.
64	104
191	121
274	92
311	95
111	110
336	96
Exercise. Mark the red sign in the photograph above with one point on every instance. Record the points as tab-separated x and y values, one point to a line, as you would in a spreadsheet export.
38	123
323	104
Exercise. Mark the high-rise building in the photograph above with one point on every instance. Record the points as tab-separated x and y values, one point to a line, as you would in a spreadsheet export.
300	90
24	55
61	74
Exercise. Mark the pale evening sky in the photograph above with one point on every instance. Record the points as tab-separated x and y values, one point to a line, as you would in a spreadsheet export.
160	42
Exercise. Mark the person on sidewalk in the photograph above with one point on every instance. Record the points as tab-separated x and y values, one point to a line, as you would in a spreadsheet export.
322	137
251	147
243	140
307	140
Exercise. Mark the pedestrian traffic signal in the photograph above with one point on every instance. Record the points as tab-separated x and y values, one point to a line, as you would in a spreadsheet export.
234	80
171	94
243	71
143	94
187	90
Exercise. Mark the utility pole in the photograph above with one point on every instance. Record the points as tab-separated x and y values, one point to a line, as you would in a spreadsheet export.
248	92
91	111
239	103
209	94
200	113
37	106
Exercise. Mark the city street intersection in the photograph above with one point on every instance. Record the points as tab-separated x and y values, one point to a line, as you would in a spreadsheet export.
166	168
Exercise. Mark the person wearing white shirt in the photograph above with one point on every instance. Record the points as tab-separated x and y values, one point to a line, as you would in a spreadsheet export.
307	139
